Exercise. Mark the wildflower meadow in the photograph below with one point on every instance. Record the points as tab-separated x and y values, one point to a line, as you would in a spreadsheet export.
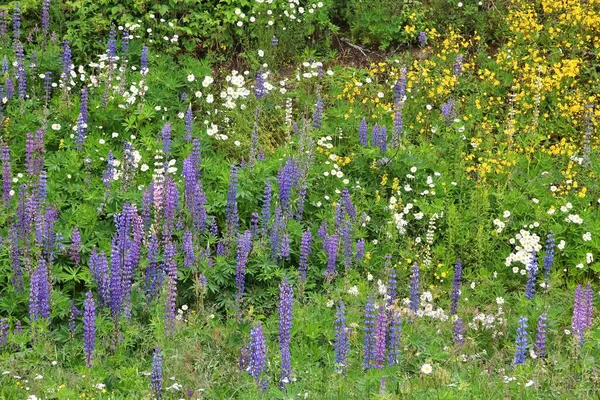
299	199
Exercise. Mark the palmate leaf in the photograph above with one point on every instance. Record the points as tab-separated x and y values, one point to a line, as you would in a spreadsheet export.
70	274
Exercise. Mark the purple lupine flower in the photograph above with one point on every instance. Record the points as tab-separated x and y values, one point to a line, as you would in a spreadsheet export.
360	249
362	133
381	328
422	38
89	328
47	86
322	232
6	174
579	311
284	251
259	86
521	341
332	250
414	289
274	41
448	111
375	136
391	286
21	75
166	138
318	113
540	338
348	206
80	133
75	248
189	124
588	306
458	65
188	249
382	139
456	287
170	205
382	389
341	344
100	275
16	21
347	241
43	187
277	231
285	183
39	293
458	335
196	157
66	62
394	336
244	358
548	258
3	24
83	105
144	61
125	42
18	329
369	336
257	348
305	249
254	223
4	331
261	155
220	249
531	277
266	207
231	208
244	246
109	172
156	376
111	48
285	326
10	90
339	216
154	274
170	266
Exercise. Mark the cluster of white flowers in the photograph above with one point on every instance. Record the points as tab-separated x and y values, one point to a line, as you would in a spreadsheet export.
529	243
426	308
235	90
491	322
325	142
499	224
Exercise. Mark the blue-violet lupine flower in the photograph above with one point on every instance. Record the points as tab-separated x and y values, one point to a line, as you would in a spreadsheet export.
458	335
381	328
548	258
318	113
456	287
531	277
362	133
393	340
244	246
341	344
540	338
521	341
369	336
422	38
156	376
89	328
257	360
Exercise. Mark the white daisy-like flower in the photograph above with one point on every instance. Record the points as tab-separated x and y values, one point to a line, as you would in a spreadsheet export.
426	369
